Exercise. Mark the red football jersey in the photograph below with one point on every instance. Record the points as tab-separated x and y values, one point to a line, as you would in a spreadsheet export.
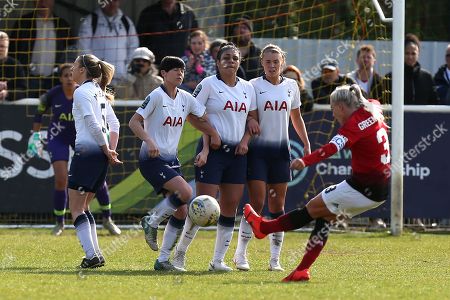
367	138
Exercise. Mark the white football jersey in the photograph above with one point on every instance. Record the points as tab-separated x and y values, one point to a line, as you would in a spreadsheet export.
164	118
227	107
89	99
275	103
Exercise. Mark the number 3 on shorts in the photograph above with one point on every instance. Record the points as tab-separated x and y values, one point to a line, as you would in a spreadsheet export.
385	158
330	188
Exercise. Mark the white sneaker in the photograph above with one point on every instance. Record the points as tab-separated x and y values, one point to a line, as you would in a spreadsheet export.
219	266
241	262
274	265
179	259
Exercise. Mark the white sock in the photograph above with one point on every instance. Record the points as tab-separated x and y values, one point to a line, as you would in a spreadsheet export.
168	242
188	235
276	242
84	235
223	240
93	232
160	212
245	235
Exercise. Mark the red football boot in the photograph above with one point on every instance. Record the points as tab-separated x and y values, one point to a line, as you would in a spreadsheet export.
296	275
254	220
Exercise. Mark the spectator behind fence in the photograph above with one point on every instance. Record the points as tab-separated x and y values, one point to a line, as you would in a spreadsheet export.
43	39
419	85
214	49
199	63
370	82
111	36
172	18
293	72
12	76
323	86
142	77
442	79
242	37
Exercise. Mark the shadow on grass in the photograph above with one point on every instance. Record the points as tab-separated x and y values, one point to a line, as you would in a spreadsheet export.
104	271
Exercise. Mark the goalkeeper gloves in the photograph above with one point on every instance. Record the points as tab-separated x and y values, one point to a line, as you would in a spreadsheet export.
35	146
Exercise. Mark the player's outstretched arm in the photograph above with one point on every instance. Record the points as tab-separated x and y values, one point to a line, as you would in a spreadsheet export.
320	154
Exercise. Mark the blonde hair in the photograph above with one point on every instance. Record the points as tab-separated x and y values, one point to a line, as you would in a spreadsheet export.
100	70
273	49
352	96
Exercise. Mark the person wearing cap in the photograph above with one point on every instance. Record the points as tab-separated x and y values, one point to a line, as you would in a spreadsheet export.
242	31
110	35
323	86
142	77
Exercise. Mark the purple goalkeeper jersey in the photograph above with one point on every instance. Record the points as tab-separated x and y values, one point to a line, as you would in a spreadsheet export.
62	126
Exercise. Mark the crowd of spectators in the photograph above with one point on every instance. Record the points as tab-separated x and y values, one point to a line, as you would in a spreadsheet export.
40	41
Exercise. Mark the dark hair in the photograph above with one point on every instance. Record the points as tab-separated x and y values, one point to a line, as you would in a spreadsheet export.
411	38
216	43
227	46
63	67
171	62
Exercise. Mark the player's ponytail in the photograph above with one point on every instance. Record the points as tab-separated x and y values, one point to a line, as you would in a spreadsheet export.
107	71
99	70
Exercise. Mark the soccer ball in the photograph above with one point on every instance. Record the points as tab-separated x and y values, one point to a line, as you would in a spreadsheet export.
204	211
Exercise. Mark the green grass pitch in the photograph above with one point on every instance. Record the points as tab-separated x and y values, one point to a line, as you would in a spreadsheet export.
36	265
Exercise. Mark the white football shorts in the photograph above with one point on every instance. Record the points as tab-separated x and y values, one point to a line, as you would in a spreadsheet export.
343	200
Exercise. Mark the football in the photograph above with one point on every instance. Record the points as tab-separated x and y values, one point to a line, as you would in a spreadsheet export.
204	211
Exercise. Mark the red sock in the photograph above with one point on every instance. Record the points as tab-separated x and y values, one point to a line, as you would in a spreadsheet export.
316	243
292	220
310	256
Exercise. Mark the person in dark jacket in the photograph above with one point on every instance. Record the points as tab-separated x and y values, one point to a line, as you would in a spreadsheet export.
12	76
39	40
174	19
442	79
419	88
370	82
323	86
242	37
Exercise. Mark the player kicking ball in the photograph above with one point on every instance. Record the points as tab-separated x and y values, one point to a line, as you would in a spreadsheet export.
364	132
